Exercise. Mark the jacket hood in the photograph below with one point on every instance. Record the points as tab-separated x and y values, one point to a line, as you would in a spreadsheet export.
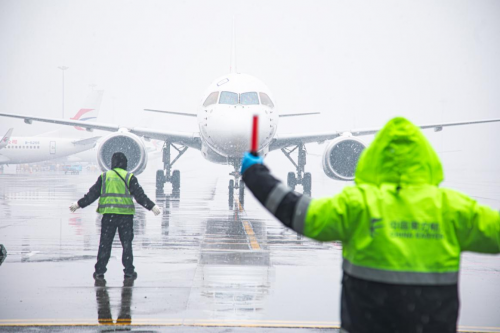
119	160
400	154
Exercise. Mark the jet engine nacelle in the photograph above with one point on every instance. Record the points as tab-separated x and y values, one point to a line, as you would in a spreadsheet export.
341	157
130	144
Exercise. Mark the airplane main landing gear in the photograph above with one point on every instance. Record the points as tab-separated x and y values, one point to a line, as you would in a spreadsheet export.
301	177
165	175
236	183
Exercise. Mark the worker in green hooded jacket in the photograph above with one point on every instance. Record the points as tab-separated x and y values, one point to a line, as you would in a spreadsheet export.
402	235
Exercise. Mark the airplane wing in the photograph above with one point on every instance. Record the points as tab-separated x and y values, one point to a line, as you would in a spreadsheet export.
85	142
173	112
286	140
6	138
298	114
191	140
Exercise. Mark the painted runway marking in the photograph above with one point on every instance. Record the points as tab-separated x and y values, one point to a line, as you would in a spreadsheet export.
200	323
254	243
251	235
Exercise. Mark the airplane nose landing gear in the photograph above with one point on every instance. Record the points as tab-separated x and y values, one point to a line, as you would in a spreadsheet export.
301	178
236	183
231	193
242	192
165	175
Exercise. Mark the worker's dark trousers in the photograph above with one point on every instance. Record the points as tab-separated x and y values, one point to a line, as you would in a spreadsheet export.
373	307
125	226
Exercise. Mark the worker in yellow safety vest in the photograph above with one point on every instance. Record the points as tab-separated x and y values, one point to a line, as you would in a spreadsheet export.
115	189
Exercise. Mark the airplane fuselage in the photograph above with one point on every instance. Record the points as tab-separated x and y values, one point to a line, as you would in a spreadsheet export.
38	149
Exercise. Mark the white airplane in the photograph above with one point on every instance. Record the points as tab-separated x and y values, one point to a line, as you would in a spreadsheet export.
224	121
51	145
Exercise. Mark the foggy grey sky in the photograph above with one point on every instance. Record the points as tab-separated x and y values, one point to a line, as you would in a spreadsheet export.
358	62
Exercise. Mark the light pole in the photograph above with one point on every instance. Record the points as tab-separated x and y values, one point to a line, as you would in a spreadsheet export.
63	68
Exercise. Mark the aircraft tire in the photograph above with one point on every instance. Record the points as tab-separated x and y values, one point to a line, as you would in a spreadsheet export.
160	180
242	192
176	180
291	181
307	183
231	191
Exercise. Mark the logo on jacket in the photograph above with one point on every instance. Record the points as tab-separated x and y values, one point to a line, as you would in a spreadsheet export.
374	226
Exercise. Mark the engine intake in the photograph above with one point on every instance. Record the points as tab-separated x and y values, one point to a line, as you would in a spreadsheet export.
341	157
129	144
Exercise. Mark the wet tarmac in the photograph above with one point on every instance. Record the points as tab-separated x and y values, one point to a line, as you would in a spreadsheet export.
203	265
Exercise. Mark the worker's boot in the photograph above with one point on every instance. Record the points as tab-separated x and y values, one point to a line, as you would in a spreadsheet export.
132	275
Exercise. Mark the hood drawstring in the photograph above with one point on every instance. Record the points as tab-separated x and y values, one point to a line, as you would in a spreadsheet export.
398	187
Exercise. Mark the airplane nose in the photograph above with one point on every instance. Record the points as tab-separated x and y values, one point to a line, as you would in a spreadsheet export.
230	129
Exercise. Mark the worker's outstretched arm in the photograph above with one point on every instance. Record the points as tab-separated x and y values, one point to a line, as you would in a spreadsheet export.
139	195
289	207
93	194
324	219
477	226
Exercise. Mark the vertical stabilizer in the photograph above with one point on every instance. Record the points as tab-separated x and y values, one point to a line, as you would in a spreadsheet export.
232	69
89	111
90	108
6	138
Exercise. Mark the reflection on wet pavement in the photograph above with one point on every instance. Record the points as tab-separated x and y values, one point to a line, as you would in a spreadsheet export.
201	263
104	315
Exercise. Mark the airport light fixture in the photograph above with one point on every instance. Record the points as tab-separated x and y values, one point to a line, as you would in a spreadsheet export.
63	69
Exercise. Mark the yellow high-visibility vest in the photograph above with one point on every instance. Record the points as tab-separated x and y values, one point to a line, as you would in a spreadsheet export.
115	196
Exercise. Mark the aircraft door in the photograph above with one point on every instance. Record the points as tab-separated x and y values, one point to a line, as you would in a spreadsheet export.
52	147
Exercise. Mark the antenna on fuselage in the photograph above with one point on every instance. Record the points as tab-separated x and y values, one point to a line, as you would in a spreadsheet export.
232	68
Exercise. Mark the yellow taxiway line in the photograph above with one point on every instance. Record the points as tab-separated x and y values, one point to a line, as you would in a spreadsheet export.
254	243
200	323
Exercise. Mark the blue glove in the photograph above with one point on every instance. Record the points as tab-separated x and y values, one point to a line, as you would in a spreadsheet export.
249	160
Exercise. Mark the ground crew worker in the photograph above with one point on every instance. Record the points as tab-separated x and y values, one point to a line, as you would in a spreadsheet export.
115	189
402	235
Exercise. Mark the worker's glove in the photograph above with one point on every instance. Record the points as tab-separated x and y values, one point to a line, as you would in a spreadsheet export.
249	160
156	210
74	206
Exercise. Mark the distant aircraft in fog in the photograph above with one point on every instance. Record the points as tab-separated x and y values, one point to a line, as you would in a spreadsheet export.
52	145
224	120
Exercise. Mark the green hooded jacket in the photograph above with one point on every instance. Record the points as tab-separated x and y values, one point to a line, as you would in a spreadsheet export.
396	225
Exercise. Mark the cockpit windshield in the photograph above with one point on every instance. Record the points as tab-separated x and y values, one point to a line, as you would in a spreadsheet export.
249	98
229	98
211	99
265	100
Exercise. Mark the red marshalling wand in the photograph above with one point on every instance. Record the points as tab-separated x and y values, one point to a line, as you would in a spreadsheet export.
255	136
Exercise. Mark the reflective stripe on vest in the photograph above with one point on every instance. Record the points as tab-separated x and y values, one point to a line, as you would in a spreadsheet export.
115	195
398	277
